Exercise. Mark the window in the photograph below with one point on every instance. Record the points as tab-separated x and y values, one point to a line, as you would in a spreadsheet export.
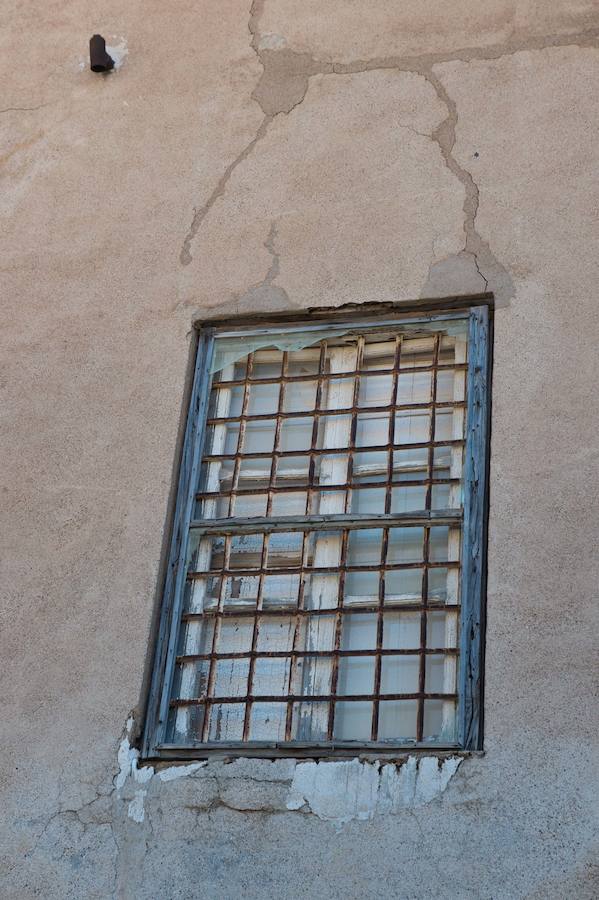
324	591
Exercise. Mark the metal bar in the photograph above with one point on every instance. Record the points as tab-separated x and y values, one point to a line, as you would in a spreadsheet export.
299	489
345	410
426	549
335	451
290	379
307	698
285	654
347	610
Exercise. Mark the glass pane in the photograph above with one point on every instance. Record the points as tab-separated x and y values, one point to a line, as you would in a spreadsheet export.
375	390
358	631
408	498
441	629
439	720
263	399
334	431
280	591
284	549
310	721
296	433
353	720
235	635
438	543
434	675
254	473
249	505
370	466
303	362
356	675
292	503
397	720
312	675
226	722
267	364
259	436
267	721
191	679
416	352
379	354
321	591
403	586
399	674
271	677
450	385
241	591
231	677
338	393
413	427
437	584
195	636
372	429
361	587
225	402
275	634
368	501
364	546
246	551
410	465
300	396
414	387
401	631
292	470
405	544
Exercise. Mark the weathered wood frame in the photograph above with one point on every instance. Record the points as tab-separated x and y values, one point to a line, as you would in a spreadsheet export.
474	547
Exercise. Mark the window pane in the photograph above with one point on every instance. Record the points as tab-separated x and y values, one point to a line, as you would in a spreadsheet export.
353	720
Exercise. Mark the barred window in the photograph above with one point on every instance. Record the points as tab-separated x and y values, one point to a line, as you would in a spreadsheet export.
325	585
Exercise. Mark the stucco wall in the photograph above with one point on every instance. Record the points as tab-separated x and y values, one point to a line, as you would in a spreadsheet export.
296	154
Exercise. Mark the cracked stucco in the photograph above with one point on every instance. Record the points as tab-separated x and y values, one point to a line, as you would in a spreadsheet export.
332	156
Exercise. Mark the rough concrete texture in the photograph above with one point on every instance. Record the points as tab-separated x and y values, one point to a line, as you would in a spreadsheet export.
285	156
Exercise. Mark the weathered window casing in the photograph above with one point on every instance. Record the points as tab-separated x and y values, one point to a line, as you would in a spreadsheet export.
346	659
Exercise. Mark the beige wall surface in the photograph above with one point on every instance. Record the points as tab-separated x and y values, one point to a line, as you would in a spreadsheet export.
290	155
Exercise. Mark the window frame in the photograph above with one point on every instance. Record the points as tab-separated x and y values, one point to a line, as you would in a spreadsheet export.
474	540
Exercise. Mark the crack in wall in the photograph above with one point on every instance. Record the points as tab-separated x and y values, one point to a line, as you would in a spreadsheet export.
282	87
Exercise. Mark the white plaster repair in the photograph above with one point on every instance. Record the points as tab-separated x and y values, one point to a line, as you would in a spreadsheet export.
136	809
180	771
345	790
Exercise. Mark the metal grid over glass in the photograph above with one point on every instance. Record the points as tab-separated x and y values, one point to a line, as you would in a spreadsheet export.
319	599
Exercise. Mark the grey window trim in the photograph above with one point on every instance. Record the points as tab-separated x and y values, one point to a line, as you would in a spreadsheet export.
474	549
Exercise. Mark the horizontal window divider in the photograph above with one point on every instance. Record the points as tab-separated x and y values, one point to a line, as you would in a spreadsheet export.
252	612
330	451
325	376
344	411
324	654
306	698
268	524
315	487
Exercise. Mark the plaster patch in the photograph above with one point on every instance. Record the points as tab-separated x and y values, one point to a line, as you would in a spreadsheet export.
136	809
345	790
179	771
272	41
118	52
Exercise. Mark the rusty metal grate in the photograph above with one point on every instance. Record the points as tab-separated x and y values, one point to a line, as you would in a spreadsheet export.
322	588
